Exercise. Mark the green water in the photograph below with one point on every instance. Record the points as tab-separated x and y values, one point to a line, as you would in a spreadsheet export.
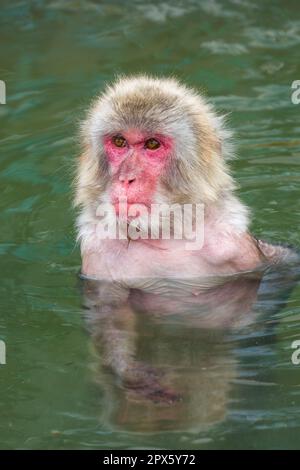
54	56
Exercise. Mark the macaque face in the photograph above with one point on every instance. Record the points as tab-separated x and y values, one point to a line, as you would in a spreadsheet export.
136	160
151	141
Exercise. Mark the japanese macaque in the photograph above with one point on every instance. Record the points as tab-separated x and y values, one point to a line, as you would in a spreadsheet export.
154	141
150	142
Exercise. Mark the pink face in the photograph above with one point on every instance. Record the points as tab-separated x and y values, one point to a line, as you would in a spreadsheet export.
136	161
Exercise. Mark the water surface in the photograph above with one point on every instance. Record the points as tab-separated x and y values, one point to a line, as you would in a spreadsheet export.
242	390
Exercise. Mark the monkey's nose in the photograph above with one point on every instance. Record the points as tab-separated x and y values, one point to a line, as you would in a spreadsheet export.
127	179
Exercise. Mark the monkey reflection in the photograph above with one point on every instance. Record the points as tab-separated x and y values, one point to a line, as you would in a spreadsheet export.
166	363
156	377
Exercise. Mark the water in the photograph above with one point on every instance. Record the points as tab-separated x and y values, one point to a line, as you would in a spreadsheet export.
240	388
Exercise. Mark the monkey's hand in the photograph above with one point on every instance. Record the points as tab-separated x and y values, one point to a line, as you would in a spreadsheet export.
142	380
278	254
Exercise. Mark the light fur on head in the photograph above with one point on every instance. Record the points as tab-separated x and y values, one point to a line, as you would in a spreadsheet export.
198	171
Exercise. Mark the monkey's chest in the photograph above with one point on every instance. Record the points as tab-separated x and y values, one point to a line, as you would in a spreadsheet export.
145	261
176	282
138	264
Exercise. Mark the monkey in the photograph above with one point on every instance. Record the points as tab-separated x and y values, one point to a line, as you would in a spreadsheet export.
154	141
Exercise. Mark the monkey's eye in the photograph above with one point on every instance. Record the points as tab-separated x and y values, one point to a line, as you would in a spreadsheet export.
119	141
152	144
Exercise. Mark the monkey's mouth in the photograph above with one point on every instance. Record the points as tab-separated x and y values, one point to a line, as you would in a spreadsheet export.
130	210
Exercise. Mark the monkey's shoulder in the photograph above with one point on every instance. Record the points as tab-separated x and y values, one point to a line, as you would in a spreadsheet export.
231	251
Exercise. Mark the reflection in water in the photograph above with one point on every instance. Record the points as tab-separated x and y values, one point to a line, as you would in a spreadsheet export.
164	354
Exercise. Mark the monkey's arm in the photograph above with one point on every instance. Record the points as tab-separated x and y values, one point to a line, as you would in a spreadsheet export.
278	254
231	252
112	323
